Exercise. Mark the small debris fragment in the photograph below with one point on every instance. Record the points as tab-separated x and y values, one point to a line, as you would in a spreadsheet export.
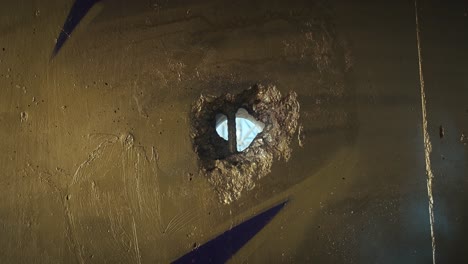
300	136
190	176
128	141
23	117
441	131
463	139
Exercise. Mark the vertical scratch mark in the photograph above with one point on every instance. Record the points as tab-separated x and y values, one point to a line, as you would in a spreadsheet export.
427	140
155	171
71	234
135	237
138	188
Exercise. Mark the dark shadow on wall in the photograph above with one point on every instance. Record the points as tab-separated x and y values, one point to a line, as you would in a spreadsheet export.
79	9
223	247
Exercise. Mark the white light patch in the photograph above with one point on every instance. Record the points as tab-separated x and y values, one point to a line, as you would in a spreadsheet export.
247	128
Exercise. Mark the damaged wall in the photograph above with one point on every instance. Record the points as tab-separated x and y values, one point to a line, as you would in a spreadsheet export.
98	163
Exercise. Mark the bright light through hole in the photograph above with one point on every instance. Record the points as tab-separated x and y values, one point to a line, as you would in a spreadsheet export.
247	128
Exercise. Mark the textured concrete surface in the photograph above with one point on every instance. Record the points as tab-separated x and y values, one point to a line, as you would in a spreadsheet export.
97	165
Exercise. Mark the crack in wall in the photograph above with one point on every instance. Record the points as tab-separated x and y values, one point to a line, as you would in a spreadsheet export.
427	140
96	153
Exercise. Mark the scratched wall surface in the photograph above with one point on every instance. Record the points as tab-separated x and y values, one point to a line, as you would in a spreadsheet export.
97	165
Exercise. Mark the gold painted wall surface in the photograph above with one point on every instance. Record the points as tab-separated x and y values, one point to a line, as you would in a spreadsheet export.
97	164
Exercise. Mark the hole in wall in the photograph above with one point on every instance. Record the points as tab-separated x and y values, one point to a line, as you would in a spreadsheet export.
247	128
237	137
